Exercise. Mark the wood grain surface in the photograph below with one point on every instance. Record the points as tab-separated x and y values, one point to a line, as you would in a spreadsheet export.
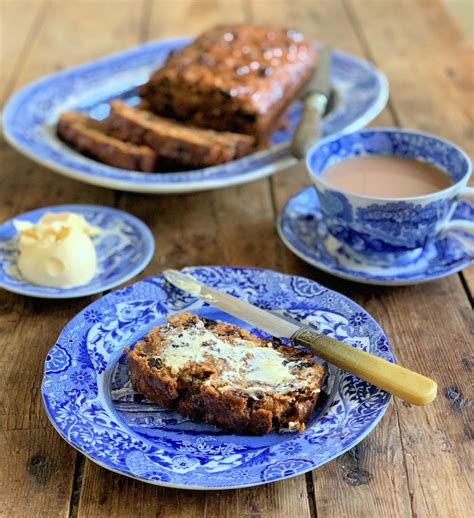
417	461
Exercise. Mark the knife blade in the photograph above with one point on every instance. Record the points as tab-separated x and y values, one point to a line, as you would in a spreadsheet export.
260	318
397	380
315	100
320	80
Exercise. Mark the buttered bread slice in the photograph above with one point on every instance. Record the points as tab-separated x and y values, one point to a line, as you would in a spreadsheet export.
223	375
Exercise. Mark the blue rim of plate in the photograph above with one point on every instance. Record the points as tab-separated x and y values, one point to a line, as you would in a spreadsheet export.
124	248
30	115
88	399
302	230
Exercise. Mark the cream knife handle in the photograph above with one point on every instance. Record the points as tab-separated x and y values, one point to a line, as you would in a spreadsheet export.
403	383
308	131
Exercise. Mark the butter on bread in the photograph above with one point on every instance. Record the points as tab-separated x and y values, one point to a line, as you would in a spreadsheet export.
223	375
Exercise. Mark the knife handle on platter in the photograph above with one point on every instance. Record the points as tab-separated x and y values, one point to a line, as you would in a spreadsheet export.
308	131
403	383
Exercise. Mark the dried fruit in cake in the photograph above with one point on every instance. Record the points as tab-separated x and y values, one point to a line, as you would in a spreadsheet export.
88	136
221	374
175	141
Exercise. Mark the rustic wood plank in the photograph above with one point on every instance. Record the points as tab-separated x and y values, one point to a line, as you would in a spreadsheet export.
438	97
370	480
434	436
430	328
286	498
468	281
112	495
440	348
325	21
230	226
235	226
79	35
18	22
37	466
416	339
348	484
35	462
191	17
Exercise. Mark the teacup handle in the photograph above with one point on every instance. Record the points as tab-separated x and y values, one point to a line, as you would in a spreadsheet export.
463	225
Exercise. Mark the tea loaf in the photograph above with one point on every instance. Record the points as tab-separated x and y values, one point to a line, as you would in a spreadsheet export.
238	78
174	141
221	374
89	136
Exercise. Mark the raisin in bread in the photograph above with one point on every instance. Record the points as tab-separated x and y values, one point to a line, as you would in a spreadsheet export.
174	141
223	375
89	137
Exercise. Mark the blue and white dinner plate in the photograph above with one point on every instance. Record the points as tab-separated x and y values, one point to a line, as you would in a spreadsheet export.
30	116
89	400
124	247
301	228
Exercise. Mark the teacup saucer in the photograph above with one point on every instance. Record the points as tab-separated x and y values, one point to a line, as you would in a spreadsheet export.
301	228
124	247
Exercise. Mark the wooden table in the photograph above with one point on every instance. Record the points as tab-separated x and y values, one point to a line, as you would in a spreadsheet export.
416	462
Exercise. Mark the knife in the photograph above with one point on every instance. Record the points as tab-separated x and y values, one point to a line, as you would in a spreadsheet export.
315	101
403	383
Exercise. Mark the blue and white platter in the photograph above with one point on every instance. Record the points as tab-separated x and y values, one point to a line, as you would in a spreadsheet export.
89	399
29	119
124	247
301	227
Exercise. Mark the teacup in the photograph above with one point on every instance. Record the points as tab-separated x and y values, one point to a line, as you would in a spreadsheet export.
390	231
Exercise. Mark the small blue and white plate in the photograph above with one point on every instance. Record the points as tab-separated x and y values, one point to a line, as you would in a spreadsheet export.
301	228
89	399
124	247
30	117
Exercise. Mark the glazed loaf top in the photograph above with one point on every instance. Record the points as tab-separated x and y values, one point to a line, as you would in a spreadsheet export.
254	65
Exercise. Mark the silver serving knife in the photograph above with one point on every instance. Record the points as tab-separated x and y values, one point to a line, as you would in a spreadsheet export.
315	100
401	382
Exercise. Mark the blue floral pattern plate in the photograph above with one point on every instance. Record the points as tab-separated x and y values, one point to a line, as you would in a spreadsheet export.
124	247
301	228
30	116
89	399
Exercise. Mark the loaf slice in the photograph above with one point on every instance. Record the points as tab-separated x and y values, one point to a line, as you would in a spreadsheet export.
175	141
221	374
88	136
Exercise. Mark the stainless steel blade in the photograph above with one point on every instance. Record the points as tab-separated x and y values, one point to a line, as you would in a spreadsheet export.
321	80
260	318
315	101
